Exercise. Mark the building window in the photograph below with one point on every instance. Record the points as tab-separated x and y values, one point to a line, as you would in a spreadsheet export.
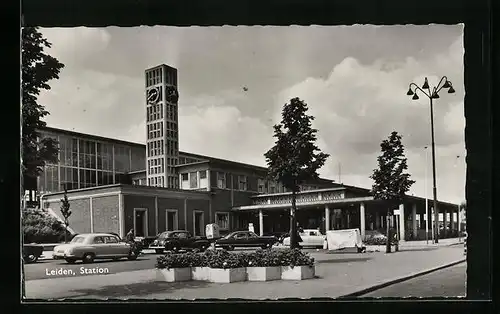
193	180
185	177
242	183
272	187
222	220
203	174
262	186
221	180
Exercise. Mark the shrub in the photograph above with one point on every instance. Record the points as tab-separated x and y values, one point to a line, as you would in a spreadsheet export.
40	227
265	258
294	257
170	260
224	259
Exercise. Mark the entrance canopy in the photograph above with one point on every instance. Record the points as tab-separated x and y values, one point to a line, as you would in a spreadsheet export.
311	198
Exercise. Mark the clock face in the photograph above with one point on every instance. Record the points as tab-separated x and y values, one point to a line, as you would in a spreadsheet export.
153	95
172	94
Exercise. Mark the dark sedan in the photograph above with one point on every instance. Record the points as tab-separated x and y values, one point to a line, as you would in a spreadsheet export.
31	252
245	239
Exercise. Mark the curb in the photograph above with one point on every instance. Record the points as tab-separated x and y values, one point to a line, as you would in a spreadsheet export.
401	279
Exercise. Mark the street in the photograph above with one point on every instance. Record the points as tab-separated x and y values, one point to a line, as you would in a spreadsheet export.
443	283
42	268
337	274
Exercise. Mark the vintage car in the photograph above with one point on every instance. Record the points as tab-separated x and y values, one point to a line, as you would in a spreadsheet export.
178	240
90	246
245	239
310	238
31	252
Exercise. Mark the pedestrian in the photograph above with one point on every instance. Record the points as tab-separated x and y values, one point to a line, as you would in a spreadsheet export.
130	236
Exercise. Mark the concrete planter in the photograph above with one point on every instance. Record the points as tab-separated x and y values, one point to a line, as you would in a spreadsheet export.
263	273
297	272
200	273
220	275
175	274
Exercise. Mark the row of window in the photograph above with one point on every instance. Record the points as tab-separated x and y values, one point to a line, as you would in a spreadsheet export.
73	178
91	154
154	112
154	77
222	184
156	181
155	148
172	112
190	179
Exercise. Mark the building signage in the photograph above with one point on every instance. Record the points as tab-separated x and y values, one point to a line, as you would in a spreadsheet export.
397	212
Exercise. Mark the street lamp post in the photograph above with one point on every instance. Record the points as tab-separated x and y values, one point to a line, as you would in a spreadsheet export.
443	83
426	197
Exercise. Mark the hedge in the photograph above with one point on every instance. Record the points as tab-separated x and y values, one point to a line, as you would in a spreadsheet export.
224	259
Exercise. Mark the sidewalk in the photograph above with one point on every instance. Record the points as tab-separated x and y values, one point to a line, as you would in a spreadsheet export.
338	275
417	245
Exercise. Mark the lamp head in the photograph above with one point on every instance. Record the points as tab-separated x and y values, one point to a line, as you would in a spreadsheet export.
447	84
409	92
451	90
426	84
415	97
435	95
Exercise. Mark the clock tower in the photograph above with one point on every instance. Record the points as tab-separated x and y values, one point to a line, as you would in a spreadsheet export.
162	128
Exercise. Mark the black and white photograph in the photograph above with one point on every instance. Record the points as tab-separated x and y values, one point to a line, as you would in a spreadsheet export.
243	162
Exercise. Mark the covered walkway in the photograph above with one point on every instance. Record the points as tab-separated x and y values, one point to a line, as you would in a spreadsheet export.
340	208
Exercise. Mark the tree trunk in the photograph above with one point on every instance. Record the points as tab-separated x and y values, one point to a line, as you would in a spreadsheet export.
293	222
65	232
388	227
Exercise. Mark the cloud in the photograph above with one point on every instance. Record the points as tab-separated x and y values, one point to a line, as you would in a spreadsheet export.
358	105
353	78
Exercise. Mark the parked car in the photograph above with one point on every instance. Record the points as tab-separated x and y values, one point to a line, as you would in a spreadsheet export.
310	238
31	252
178	240
90	246
245	239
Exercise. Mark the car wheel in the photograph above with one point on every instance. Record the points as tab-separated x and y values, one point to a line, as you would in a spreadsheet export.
30	259
229	248
159	251
88	258
70	260
203	247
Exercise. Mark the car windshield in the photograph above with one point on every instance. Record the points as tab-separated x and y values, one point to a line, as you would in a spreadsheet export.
78	239
164	235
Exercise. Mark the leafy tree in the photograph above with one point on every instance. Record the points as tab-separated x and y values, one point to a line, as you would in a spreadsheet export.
295	158
38	68
391	182
66	213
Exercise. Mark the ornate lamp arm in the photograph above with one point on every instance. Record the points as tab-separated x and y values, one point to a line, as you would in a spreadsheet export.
438	88
417	87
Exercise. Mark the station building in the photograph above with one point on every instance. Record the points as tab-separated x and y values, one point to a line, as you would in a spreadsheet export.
115	186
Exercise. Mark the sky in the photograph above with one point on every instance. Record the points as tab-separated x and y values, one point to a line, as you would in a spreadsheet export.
233	82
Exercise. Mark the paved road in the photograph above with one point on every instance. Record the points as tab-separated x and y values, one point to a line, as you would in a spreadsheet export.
43	268
444	283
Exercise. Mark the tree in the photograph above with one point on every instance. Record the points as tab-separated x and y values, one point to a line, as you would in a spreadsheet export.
66	213
37	69
391	182
294	158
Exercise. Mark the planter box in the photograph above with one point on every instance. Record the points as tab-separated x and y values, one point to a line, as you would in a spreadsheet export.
175	274
220	275
263	273
200	273
297	272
